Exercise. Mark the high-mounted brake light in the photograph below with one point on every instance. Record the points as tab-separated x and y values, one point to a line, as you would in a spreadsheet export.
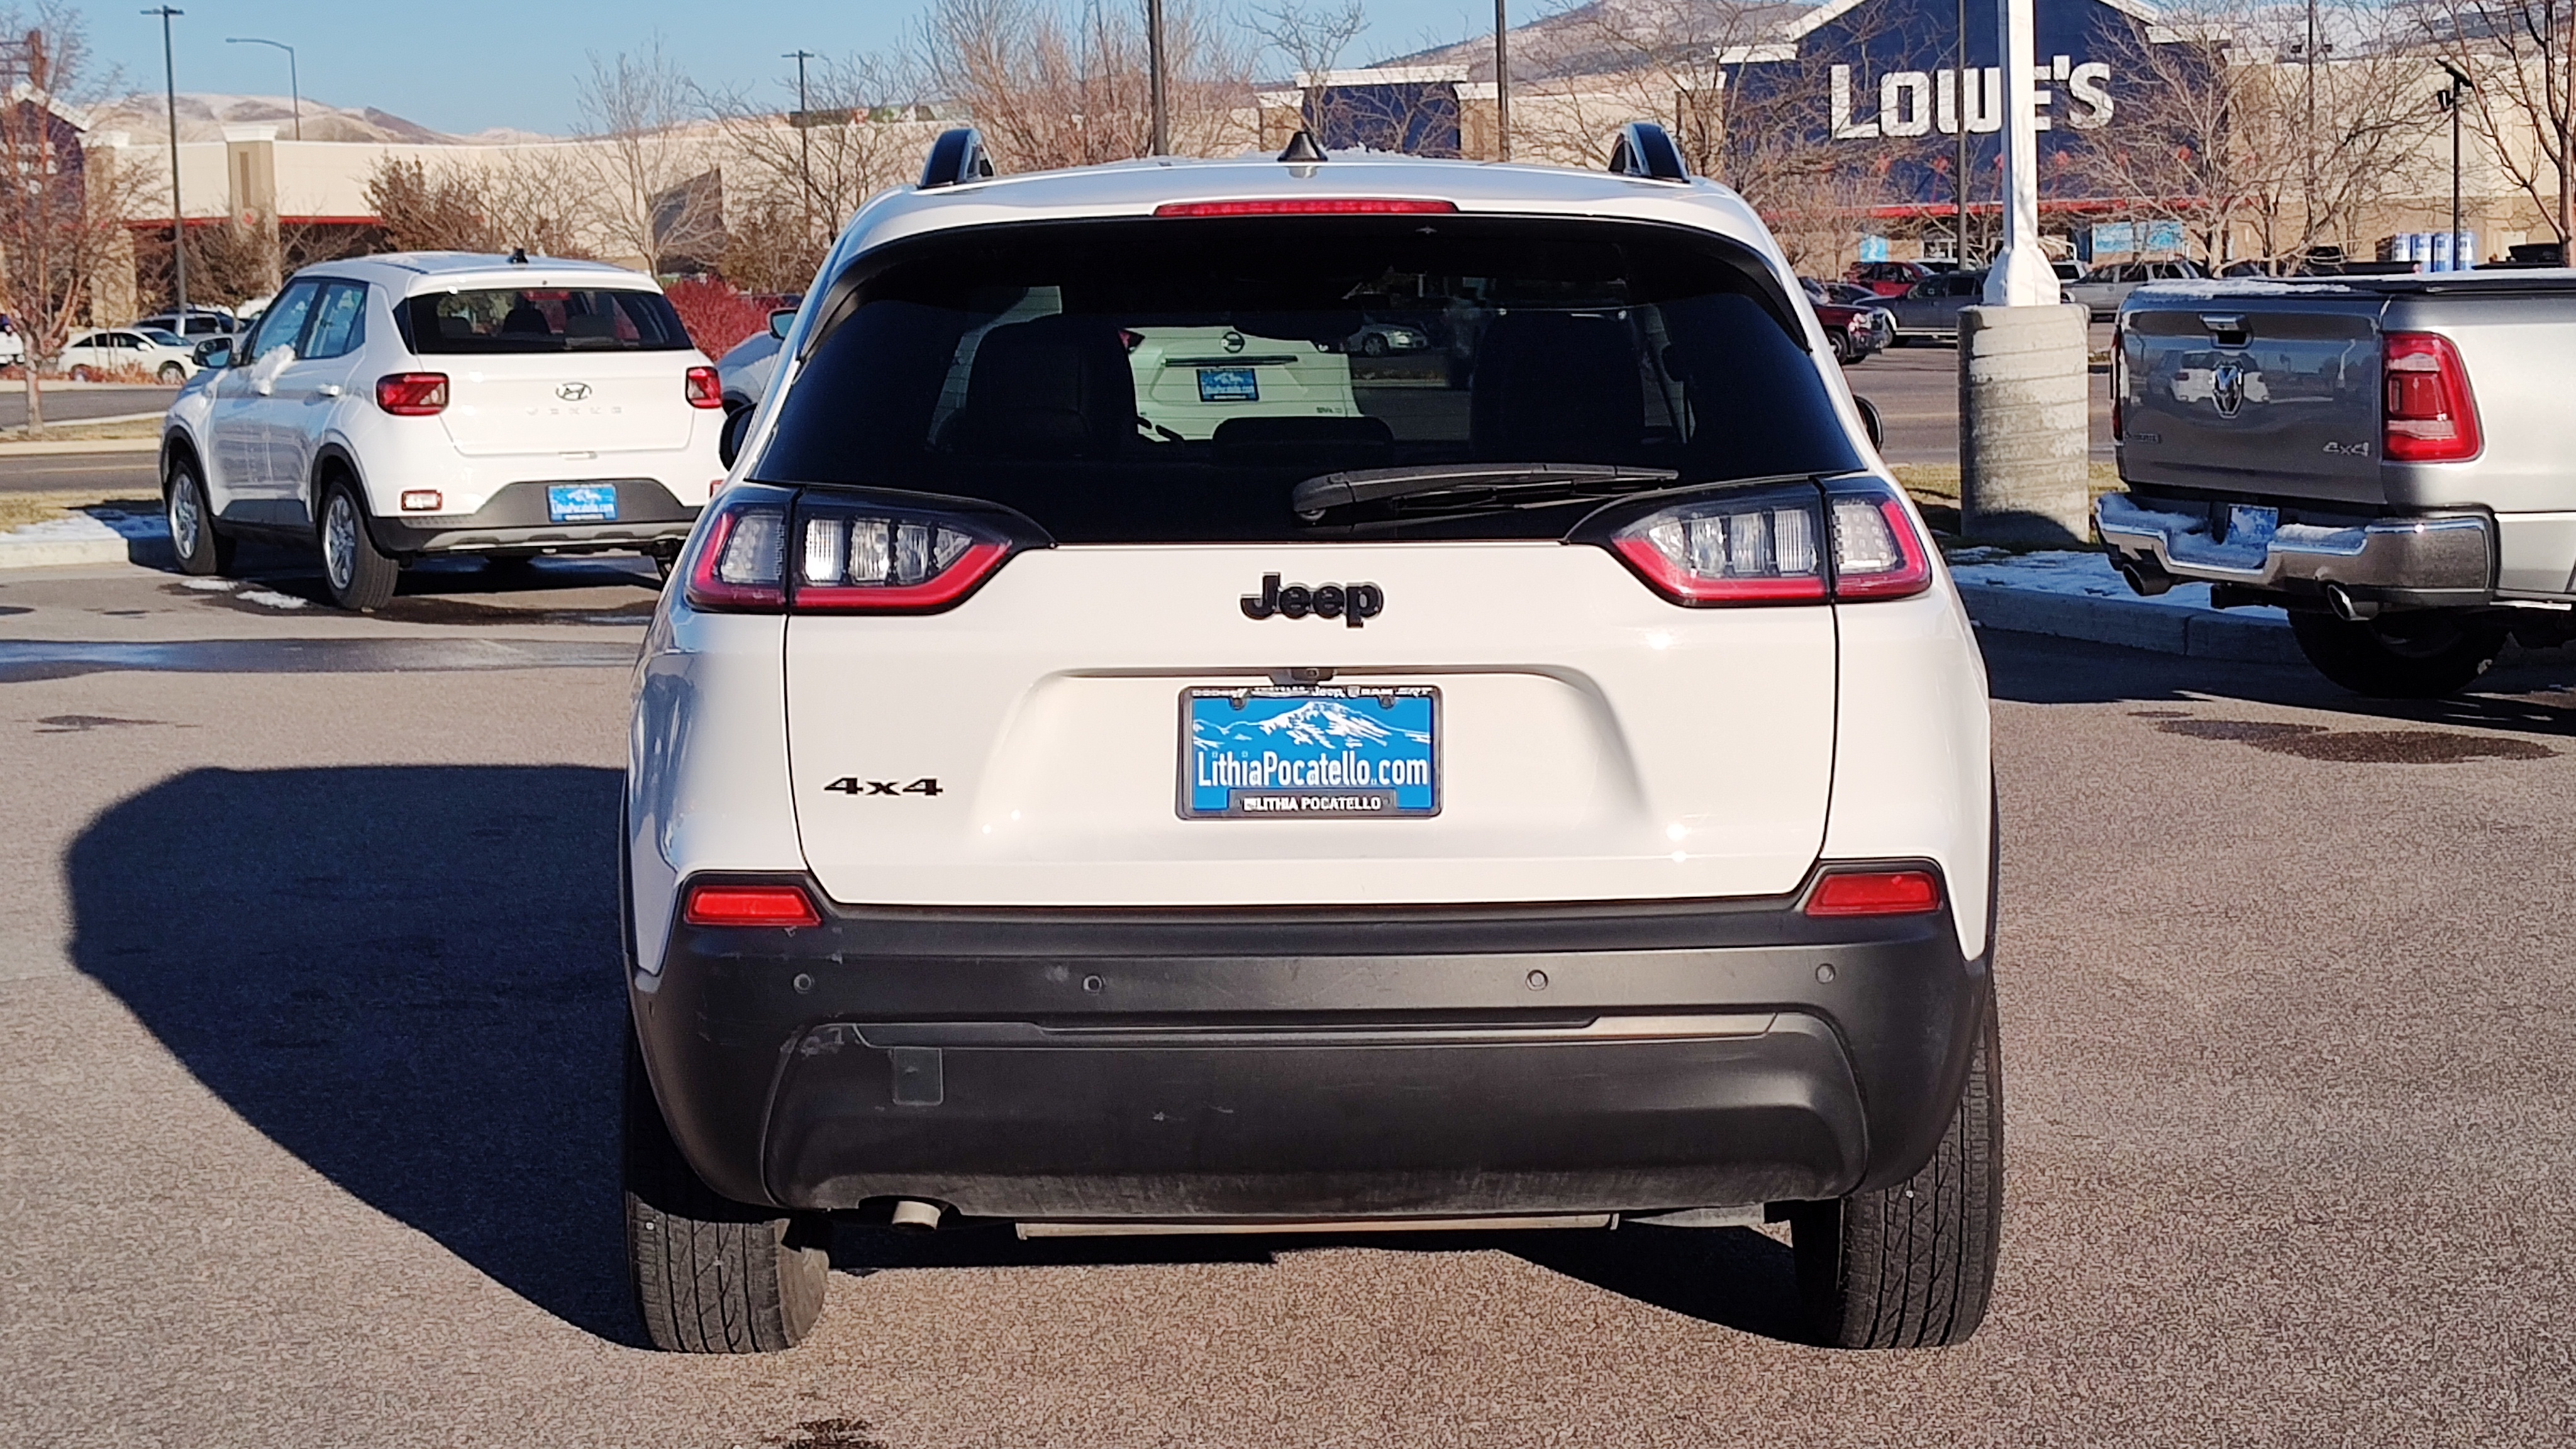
749	905
2430	416
1311	206
1780	545
1876	893
703	388
412	394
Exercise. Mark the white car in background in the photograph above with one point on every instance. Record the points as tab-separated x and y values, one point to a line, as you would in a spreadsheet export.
1106	765
159	355
394	407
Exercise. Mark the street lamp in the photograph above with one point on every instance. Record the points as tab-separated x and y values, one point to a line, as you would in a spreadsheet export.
1160	141
178	219
2449	100
804	134
294	88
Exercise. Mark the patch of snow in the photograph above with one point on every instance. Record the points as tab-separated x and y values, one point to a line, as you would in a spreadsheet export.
78	528
132	525
2084	575
274	600
219	586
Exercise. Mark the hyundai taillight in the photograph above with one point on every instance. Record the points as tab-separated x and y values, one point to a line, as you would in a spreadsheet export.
412	394
1782	545
703	388
827	555
1875	893
2430	416
749	905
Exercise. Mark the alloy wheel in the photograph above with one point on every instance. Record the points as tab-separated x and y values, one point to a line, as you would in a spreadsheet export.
185	519
340	541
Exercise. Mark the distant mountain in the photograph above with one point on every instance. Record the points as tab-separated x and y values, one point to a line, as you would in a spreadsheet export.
202	117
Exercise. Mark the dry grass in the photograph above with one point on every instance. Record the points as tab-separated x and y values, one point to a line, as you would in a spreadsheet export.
1935	488
20	509
77	431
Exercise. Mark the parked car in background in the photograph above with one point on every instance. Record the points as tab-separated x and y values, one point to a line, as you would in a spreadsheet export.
1089	775
2389	458
1930	311
1377	339
2105	287
1848	294
125	351
746	367
13	347
1856	332
393	407
202	322
1895	279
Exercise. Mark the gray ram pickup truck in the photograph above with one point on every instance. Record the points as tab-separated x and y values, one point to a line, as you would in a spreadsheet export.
2391	459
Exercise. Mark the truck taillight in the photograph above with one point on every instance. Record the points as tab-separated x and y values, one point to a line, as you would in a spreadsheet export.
1854	540
703	388
763	550
412	394
2429	416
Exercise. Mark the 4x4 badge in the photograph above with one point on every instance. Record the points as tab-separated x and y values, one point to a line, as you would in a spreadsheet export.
1353	604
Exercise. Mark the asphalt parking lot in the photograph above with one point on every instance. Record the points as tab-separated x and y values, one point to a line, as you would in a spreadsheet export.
1917	393
309	1020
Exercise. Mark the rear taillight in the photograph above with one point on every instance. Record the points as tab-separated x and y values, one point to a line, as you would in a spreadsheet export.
1786	545
856	559
749	905
412	394
703	388
759	553
1875	893
2430	416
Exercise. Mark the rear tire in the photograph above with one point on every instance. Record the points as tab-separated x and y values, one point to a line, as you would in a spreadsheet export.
359	576
2399	656
711	1275
1912	1266
200	549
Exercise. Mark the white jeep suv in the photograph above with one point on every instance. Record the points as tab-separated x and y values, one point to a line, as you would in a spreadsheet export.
393	406
1547	792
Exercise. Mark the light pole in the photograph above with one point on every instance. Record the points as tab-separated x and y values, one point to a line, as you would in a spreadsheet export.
804	134
178	221
1502	84
2451	102
1959	182
294	88
1161	141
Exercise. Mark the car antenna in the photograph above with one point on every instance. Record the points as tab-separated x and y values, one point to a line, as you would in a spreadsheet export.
518	256
1302	148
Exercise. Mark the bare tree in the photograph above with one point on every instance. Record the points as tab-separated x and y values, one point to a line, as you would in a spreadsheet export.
1311	38
2521	57
796	177
525	199
62	208
651	159
2263	161
1051	85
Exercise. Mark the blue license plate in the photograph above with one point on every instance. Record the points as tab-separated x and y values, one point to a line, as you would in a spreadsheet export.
1229	384
1257	752
581	503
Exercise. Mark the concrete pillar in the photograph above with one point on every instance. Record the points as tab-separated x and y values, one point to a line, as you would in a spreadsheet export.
250	163
2023	429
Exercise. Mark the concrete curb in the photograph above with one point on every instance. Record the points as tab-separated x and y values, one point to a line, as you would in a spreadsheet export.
52	446
86	539
2251	638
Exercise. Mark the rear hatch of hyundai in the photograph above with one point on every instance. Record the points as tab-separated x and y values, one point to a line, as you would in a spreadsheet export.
1549	623
534	367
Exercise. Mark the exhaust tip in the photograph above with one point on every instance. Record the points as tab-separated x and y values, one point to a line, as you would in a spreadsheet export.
2348	608
915	1214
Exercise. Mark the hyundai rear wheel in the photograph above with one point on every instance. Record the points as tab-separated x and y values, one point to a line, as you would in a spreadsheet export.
359	575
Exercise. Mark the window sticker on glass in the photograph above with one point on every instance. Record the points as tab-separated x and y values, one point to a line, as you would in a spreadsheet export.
1229	384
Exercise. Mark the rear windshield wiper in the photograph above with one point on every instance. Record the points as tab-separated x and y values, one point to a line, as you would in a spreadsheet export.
1438	487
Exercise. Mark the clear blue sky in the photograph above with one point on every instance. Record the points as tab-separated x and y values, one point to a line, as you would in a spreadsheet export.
467	65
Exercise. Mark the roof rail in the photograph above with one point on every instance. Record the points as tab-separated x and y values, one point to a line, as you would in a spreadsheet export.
1302	148
1643	150
957	157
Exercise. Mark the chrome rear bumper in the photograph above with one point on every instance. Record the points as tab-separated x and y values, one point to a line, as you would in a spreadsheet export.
2434	561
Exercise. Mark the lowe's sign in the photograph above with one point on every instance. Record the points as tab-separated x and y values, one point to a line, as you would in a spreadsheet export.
1893	78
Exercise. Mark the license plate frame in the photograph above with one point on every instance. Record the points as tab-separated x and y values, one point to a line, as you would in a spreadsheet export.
1369	751
581	503
1229	385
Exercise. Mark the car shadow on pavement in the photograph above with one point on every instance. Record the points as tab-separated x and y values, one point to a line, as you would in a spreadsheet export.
2532	694
408	978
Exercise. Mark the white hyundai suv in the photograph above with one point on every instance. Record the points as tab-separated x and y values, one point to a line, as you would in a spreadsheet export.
1546	792
396	406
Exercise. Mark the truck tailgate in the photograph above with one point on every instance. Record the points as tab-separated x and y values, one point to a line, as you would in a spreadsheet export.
2276	396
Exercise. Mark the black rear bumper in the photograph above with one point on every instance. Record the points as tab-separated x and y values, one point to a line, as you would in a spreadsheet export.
515	517
1247	1064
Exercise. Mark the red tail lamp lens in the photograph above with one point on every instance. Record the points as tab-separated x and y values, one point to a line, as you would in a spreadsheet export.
412	394
2431	416
1876	893
1311	206
704	388
755	905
